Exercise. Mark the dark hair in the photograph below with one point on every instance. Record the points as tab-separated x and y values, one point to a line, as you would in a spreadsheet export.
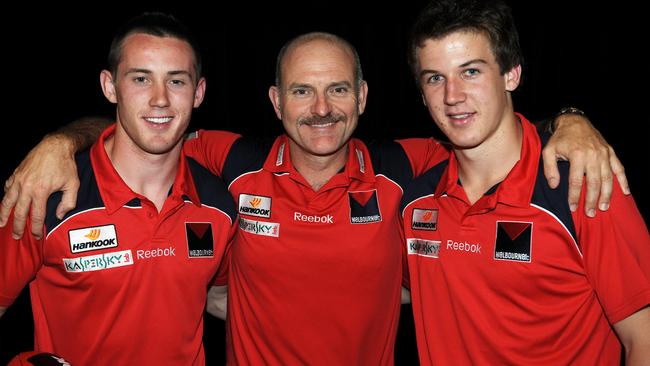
490	17
155	24
307	37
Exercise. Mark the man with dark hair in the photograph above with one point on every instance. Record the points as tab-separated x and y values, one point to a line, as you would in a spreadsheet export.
316	267
123	278
501	271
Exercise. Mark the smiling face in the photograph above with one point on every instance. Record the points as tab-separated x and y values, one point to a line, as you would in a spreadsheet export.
318	101
463	88
155	89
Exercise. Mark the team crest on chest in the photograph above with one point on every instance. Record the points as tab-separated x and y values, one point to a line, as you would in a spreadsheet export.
92	238
424	219
254	205
513	241
199	239
364	207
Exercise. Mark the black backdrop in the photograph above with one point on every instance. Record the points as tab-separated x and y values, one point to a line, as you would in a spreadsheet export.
574	56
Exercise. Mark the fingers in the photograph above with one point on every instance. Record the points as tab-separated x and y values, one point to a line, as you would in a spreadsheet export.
606	181
69	199
21	211
8	201
38	217
550	168
593	185
619	171
576	176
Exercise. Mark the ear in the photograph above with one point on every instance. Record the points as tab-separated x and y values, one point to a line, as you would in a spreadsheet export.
512	78
424	100
199	93
362	96
108	86
274	95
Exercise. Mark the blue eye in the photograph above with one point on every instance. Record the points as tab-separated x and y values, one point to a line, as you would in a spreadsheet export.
435	78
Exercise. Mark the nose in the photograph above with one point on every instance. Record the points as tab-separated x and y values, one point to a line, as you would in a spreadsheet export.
454	92
321	105
159	95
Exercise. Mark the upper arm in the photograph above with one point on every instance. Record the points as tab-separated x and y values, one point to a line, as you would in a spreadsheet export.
634	333
616	256
2	310
210	148
423	153
20	260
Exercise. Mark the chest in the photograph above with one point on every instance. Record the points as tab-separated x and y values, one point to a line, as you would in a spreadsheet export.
347	223
518	247
94	248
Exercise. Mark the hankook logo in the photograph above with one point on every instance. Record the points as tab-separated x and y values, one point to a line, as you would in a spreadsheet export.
92	238
253	205
424	219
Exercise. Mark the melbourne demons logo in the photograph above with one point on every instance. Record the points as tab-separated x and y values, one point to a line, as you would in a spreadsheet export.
364	207
513	241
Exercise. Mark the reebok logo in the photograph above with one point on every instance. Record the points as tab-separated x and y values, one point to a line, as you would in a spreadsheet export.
325	219
92	238
253	205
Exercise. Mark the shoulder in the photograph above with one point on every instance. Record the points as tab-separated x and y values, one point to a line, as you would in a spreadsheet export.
211	189
424	185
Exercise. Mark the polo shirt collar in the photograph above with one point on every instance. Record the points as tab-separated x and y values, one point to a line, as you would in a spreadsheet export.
516	189
114	191
358	165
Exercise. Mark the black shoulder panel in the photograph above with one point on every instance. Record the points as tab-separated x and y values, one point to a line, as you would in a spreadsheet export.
212	190
423	185
555	200
389	159
247	154
88	196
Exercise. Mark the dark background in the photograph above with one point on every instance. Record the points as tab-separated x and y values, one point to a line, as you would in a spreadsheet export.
588	56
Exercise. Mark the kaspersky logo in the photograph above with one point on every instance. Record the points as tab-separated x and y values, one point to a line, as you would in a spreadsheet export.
98	262
92	238
422	247
253	205
259	227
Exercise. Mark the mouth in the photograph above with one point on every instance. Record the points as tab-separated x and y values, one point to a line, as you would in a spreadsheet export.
460	118
319	125
158	120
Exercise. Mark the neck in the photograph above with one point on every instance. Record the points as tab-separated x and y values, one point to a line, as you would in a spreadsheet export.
317	170
150	175
483	166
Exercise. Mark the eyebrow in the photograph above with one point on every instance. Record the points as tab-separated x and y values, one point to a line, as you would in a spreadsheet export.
464	64
147	71
336	83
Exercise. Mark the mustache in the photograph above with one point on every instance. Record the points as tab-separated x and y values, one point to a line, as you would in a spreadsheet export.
321	120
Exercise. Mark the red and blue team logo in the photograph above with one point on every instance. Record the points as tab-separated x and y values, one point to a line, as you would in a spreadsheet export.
513	241
364	207
199	239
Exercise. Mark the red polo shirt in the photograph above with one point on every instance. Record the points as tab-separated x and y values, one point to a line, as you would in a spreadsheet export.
116	282
315	276
516	278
